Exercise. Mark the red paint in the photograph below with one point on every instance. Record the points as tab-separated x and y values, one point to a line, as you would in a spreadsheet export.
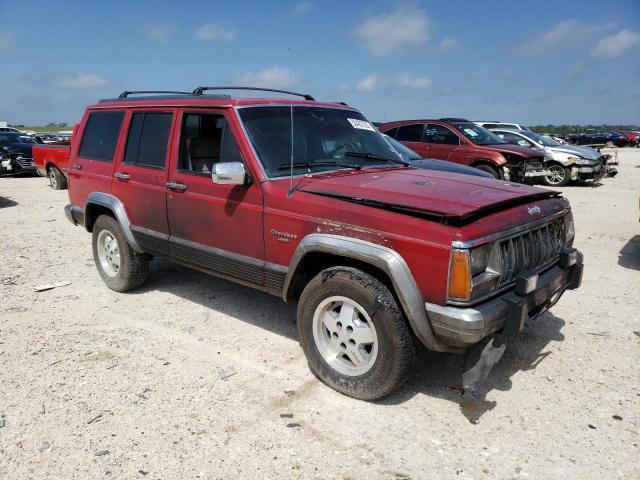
243	219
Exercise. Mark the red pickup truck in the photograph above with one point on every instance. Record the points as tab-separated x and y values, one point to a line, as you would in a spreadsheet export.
308	201
52	161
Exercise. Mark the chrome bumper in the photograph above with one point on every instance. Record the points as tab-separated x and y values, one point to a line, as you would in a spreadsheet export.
461	327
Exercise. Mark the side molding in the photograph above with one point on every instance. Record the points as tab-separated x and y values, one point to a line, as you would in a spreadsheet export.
116	207
386	260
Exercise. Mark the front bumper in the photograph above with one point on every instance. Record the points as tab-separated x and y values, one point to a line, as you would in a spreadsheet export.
17	164
461	327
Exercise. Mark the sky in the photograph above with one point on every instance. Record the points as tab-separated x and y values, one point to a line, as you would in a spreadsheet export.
542	62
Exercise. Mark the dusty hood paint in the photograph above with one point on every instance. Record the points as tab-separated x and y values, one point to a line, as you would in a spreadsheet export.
431	193
584	152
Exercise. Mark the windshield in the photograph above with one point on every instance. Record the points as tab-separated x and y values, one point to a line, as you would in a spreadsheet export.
405	152
479	135
323	139
7	138
539	138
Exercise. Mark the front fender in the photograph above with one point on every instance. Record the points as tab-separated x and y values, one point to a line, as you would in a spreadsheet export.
383	258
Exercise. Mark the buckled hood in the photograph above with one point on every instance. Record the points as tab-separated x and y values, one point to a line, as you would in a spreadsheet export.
427	193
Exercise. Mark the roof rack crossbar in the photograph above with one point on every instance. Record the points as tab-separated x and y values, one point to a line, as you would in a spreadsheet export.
201	90
126	93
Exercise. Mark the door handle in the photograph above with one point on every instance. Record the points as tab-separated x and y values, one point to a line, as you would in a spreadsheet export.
76	166
180	187
121	176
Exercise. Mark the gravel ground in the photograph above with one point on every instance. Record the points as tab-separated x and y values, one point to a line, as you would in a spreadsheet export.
195	377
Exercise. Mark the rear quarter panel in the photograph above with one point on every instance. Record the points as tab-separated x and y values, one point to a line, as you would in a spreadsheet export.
45	155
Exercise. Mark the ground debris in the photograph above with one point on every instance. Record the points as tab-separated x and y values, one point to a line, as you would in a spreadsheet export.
102	453
617	417
94	419
44	446
51	286
286	415
293	425
2	422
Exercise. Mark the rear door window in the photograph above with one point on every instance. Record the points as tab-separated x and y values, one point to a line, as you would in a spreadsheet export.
101	135
148	139
439	134
410	133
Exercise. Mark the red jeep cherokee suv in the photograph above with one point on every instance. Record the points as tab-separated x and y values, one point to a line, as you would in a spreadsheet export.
308	201
461	141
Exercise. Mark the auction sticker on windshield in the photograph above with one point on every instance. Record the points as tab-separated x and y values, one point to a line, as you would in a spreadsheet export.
471	132
361	124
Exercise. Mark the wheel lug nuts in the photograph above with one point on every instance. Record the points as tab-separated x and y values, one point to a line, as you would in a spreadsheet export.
352	342
343	346
339	324
350	329
334	335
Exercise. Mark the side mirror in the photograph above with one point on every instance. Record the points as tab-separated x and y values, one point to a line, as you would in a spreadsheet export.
229	173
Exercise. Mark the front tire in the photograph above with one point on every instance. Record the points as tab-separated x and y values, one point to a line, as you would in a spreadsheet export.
489	169
121	268
354	335
559	177
56	179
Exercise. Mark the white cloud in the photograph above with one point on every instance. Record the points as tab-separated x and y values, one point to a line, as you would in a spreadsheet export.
447	43
396	32
79	80
558	34
407	80
272	77
367	84
302	8
6	40
375	82
160	32
614	45
214	32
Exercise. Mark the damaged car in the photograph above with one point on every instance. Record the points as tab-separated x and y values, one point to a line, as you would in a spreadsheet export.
306	200
565	163
461	141
16	153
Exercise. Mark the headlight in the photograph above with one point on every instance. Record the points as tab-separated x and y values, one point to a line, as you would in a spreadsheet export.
569	230
473	273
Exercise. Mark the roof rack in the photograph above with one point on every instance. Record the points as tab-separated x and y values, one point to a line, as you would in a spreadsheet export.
126	93
201	90
453	119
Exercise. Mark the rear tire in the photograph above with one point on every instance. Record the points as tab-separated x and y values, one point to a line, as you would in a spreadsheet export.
121	268
560	175
354	335
56	179
489	169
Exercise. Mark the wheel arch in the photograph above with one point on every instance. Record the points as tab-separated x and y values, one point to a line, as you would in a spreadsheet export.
317	252
99	203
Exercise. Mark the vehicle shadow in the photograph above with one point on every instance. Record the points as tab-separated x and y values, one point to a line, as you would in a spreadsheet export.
629	256
244	303
7	202
439	375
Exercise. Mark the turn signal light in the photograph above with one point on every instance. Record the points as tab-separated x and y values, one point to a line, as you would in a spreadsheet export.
460	276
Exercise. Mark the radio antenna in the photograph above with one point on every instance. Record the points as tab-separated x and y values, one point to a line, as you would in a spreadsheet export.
291	118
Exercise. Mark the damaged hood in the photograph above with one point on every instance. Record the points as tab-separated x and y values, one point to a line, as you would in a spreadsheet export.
425	193
584	152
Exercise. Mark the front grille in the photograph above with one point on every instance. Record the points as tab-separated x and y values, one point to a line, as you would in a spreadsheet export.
25	162
530	251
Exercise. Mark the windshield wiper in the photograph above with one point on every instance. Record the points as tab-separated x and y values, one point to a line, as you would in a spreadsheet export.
324	163
375	158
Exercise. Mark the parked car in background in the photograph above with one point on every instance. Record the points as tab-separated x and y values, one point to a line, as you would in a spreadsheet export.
9	129
378	255
564	162
496	124
417	161
464	142
632	138
598	138
16	153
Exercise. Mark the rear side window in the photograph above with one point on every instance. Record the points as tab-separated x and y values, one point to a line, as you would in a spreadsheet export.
101	135
439	134
148	139
410	133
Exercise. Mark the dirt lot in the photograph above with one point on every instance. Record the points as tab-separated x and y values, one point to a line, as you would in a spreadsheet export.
195	377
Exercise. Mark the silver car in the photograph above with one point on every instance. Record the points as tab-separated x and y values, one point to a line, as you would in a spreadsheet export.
564	162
